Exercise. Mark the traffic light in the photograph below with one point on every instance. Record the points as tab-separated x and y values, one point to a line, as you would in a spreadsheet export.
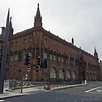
27	59
19	71
37	68
45	63
38	63
42	64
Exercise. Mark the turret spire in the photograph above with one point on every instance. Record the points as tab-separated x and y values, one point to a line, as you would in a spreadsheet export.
10	28
38	11
38	18
95	53
95	50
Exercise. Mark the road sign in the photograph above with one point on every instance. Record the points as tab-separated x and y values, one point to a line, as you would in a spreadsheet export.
28	69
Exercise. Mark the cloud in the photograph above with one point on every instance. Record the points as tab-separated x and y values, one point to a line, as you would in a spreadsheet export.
80	19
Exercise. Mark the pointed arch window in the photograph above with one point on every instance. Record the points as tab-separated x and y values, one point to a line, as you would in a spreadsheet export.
16	56
25	41
68	76
30	54
12	44
62	59
45	55
61	73
73	75
66	59
54	57
50	56
12	57
59	57
30	39
53	73
16	43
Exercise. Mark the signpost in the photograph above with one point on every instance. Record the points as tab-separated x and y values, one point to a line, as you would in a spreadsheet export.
28	68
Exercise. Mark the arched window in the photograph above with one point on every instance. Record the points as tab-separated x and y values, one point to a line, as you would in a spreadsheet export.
59	57
45	55
30	54
54	56
11	56
16	55
53	73
19	56
62	58
73	74
25	52
68	76
30	50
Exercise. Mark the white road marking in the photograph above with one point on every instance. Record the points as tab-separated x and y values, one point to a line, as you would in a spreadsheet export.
93	89
1	100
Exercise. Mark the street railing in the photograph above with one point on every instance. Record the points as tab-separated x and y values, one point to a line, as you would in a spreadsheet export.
56	84
16	84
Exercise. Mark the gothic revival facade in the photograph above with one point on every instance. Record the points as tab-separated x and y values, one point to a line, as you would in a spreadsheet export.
65	61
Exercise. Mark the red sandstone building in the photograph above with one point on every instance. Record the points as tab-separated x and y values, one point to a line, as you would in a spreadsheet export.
64	60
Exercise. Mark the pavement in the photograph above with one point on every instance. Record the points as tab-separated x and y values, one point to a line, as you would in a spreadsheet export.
8	93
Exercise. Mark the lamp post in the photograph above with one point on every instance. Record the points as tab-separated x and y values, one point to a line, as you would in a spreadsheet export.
48	83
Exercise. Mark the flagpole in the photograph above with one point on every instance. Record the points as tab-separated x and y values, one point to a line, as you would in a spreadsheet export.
4	57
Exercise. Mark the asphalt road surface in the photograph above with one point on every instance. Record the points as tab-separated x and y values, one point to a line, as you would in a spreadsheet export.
87	93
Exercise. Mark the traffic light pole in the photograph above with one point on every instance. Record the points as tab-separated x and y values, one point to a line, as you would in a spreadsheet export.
22	71
4	57
43	78
43	71
48	83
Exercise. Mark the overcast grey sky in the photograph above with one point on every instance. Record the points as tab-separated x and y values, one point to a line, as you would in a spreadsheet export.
80	19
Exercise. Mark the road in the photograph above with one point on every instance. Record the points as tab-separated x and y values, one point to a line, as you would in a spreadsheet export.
87	93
